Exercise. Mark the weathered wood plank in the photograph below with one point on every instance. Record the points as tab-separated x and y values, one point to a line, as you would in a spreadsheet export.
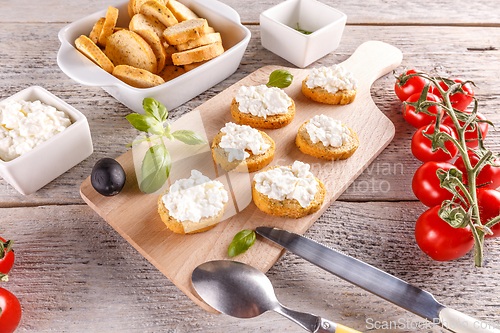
73	273
458	12
387	178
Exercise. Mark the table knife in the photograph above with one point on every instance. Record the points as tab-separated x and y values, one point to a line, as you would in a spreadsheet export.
376	281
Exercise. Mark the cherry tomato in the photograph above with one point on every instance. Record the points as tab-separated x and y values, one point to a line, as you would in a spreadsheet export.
487	174
425	184
489	207
470	132
420	119
439	240
458	100
421	147
7	261
10	315
412	86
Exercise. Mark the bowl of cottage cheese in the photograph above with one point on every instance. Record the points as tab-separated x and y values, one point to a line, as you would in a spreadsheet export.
41	137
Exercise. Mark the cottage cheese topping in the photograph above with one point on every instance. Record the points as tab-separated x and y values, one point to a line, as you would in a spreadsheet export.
329	131
282	183
262	101
25	125
240	138
333	79
195	197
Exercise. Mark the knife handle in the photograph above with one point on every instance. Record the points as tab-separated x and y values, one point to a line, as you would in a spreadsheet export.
458	322
326	326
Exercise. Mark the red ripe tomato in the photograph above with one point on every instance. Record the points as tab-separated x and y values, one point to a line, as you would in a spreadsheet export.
458	100
425	184
10	315
412	86
421	147
488	173
470	132
7	261
439	240
489	207
420	119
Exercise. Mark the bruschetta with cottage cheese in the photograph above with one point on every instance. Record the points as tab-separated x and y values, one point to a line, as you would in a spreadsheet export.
193	204
330	85
288	191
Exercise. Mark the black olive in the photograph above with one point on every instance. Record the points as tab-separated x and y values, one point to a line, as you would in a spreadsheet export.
108	177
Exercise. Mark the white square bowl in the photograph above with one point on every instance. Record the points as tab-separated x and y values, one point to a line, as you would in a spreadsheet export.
222	18
39	166
279	35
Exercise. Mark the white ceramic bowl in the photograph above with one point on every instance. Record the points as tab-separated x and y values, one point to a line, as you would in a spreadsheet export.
222	18
278	33
36	168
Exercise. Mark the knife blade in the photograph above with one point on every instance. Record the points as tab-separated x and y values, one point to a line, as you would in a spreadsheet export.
376	281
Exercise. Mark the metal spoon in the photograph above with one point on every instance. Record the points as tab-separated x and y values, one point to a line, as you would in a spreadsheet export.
242	291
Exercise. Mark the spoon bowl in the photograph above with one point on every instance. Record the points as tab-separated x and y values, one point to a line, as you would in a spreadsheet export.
242	291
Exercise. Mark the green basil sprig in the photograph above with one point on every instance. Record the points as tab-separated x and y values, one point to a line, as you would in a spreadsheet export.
280	78
157	162
242	241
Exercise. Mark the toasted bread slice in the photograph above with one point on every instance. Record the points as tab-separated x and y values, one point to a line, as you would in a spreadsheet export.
138	78
156	45
185	31
203	40
288	207
187	227
143	22
125	47
108	26
249	164
169	49
274	121
96	30
198	54
194	65
170	72
322	95
159	11
181	11
304	143
134	6
94	53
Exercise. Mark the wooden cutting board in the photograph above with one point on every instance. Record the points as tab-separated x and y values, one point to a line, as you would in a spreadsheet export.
133	214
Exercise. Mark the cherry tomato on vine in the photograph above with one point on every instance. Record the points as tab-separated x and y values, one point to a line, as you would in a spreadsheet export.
7	261
10	309
458	100
412	86
439	240
487	174
489	207
470	132
420	119
421	147
425	184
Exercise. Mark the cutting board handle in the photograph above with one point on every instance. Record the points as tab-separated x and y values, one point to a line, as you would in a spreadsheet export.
371	60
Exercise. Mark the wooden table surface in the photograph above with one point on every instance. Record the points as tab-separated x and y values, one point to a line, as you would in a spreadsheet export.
74	273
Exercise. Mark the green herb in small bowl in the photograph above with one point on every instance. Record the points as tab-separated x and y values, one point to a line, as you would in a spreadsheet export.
305	32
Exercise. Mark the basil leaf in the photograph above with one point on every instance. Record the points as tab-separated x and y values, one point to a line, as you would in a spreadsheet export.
242	241
155	168
189	137
155	109
145	123
280	78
